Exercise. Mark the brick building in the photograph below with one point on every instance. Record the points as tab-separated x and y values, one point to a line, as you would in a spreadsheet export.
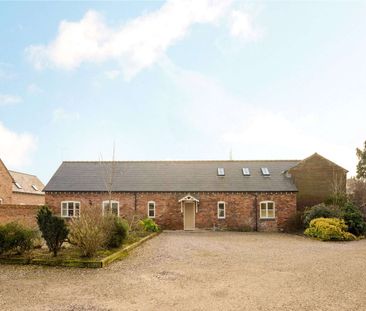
260	195
20	188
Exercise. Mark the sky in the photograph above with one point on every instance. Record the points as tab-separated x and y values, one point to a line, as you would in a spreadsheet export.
181	80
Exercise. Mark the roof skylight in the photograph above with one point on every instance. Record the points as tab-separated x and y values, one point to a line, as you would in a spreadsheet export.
265	171
18	185
246	171
221	171
35	187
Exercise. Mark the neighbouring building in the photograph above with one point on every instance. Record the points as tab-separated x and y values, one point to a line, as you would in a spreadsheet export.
257	195
20	188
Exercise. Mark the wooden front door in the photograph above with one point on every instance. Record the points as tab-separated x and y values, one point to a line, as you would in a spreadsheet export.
189	216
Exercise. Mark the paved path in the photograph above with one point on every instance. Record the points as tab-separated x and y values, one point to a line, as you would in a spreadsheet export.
202	271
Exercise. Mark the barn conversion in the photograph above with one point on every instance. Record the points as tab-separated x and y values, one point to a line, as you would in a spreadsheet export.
258	195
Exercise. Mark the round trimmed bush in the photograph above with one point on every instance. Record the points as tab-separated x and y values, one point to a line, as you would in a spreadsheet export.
329	229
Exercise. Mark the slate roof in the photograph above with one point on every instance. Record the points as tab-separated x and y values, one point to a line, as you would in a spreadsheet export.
26	181
172	176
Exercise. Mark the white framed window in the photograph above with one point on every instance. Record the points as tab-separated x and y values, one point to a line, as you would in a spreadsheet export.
111	207
70	209
151	209
267	209
221	211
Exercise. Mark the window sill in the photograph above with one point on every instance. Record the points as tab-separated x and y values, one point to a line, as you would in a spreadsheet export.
267	219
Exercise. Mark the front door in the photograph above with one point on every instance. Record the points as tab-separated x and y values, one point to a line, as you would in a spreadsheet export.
189	216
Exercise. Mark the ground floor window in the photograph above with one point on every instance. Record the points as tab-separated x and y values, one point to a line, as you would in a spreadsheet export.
221	213
111	207
267	209
70	209
151	209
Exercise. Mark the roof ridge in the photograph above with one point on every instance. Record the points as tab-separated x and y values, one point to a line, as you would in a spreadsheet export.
157	161
23	173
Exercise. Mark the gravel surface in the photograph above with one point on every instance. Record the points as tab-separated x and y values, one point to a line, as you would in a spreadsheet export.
202	271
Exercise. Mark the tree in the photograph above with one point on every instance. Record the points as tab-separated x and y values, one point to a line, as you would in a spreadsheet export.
361	165
53	229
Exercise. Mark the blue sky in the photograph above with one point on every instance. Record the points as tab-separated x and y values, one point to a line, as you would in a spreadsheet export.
180	80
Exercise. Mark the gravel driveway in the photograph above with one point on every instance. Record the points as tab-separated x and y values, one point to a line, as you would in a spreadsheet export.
202	271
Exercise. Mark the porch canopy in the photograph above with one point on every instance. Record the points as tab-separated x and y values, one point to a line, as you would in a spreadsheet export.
188	199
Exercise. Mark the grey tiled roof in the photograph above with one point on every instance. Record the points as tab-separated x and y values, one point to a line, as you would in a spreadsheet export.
177	176
26	181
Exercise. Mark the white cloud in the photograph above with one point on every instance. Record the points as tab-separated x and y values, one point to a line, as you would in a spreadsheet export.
242	26
16	148
60	114
112	74
7	99
251	132
136	45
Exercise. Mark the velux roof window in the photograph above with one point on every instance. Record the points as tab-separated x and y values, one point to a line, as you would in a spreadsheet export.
18	185
220	171
246	171
35	187
265	171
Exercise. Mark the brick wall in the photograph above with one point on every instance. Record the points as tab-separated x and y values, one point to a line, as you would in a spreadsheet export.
241	208
6	183
24	214
27	198
315	179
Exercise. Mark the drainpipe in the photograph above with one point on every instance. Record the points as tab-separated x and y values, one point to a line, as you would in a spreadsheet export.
135	201
256	211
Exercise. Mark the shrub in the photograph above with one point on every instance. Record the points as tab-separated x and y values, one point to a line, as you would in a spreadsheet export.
353	219
90	231
118	233
53	229
149	225
320	211
329	229
15	238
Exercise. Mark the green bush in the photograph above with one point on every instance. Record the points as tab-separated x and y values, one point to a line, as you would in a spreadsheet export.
353	219
320	211
53	229
149	225
118	232
329	229
15	238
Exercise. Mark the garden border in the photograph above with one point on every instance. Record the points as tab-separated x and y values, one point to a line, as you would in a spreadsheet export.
79	263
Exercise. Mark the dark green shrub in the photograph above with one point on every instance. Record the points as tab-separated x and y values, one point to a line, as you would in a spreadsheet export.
118	233
320	211
329	229
353	219
149	225
53	229
15	238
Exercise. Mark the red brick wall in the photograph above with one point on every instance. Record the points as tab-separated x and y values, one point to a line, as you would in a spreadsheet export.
27	198
6	183
315	179
24	214
240	208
